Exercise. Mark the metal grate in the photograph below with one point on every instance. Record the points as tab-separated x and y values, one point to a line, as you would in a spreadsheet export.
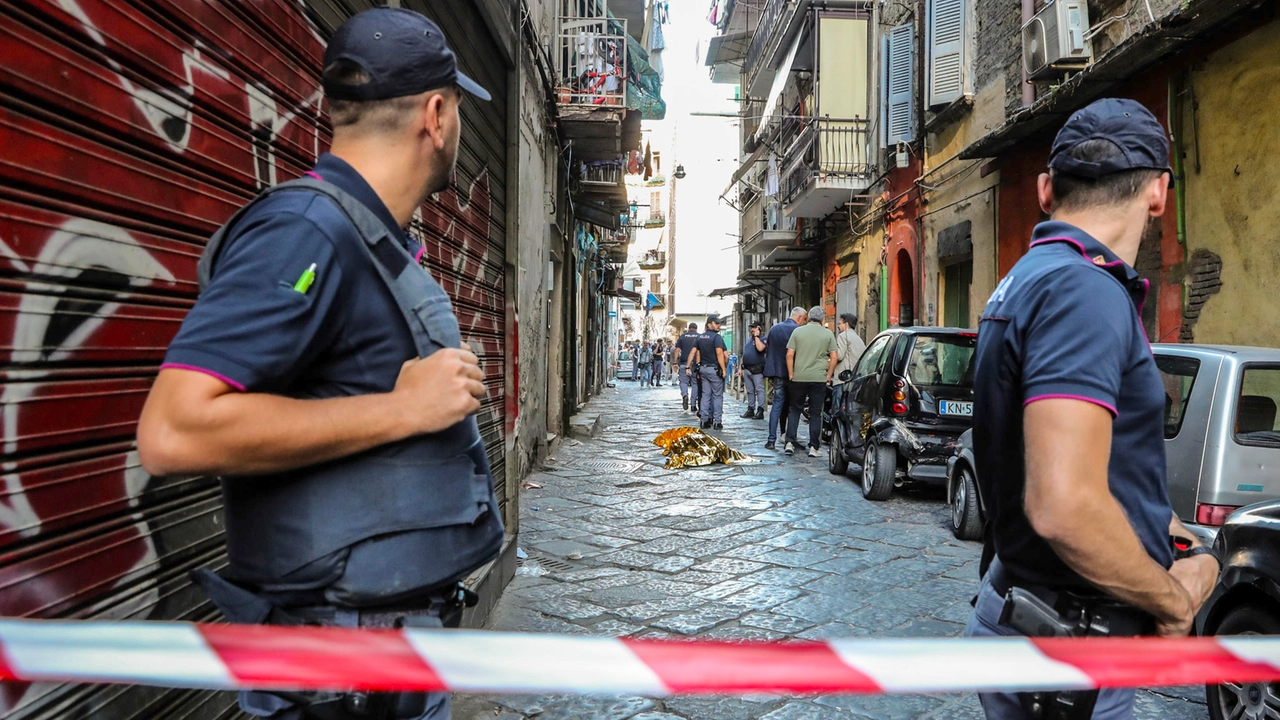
618	466
546	562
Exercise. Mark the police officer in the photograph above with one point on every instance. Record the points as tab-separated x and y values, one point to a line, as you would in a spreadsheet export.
684	346
753	372
322	376
710	356
1069	417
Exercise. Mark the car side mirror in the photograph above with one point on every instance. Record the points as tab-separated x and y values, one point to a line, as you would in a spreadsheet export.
846	375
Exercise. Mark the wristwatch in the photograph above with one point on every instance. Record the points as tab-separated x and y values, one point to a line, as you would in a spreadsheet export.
1192	552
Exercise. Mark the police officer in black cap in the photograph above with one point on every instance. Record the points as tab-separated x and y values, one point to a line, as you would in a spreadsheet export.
322	376
1069	419
708	362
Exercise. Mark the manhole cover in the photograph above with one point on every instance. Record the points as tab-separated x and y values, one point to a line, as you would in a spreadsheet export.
618	466
546	562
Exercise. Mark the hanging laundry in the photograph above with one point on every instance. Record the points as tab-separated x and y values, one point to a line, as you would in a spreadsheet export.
771	180
648	162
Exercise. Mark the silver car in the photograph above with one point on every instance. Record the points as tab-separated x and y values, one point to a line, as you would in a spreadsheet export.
1221	436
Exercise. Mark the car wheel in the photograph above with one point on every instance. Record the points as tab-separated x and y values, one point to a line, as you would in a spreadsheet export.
1246	701
837	463
879	467
966	520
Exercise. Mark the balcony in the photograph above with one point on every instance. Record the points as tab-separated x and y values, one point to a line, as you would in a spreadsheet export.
656	219
591	57
768	226
765	36
653	260
827	163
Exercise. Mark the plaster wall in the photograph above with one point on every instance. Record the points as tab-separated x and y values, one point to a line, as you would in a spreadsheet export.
1233	202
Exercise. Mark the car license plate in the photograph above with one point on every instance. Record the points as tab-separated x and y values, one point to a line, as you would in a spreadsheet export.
951	407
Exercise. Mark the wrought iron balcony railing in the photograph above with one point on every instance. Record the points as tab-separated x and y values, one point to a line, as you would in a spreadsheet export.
826	148
765	28
591	56
653	260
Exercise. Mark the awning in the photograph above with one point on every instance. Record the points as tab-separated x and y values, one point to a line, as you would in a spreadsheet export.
725	292
775	92
630	295
744	168
728	48
789	256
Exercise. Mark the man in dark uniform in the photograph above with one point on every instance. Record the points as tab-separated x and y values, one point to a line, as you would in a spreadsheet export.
709	359
1069	416
684	346
775	368
322	375
753	372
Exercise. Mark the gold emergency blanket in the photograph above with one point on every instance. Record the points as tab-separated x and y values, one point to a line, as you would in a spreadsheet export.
687	447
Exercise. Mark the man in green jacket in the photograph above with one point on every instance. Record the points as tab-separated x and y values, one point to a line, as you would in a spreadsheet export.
811	359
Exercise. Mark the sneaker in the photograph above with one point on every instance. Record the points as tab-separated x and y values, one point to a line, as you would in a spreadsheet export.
706	424
750	413
813	452
759	413
686	402
770	446
719	426
790	449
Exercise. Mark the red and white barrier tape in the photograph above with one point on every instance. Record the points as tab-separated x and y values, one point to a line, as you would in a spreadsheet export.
240	656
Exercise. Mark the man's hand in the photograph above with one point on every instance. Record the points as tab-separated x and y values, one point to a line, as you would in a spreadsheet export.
1197	575
440	391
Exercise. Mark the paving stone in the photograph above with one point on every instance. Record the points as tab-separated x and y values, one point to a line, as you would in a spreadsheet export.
833	631
713	708
631	558
730	565
883	707
795	559
724	589
742	633
699	620
699	577
760	597
784	624
646	611
642	532
924	628
673	564
570	609
903	573
819	608
590	708
784	577
801	710
615	628
846	586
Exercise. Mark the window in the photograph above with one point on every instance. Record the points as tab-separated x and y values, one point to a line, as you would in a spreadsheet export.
1256	407
956	279
898	80
655	204
872	356
657	163
1179	376
946	40
655	283
942	360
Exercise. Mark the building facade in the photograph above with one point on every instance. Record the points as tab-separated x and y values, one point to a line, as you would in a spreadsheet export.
963	98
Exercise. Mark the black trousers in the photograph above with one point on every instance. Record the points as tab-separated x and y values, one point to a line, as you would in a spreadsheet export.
814	393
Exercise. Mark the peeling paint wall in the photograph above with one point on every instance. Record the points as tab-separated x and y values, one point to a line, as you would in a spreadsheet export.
1233	202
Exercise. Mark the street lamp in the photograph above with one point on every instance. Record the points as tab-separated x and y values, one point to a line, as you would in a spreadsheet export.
679	173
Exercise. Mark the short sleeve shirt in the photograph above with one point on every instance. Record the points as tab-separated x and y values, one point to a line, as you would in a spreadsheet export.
751	357
1064	323
684	344
813	345
344	336
708	343
775	356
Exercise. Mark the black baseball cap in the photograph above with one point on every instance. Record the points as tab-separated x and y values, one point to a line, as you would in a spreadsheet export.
403	52
715	319
1142	141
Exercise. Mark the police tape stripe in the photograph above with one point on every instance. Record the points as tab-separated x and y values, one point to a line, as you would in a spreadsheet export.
239	656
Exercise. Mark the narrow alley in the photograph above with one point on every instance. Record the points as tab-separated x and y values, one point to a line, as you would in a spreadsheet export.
776	549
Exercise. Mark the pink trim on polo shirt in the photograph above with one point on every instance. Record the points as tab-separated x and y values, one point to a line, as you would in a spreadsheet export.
1064	396
314	174
206	371
418	258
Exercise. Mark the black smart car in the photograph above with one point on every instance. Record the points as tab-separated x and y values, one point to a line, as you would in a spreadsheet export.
1246	601
910	398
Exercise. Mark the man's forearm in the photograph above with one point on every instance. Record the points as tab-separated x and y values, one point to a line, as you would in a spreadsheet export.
831	366
254	433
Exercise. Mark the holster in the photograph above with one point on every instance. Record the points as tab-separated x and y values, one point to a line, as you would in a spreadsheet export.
240	605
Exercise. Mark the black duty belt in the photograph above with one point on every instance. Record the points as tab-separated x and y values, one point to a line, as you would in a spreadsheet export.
1121	619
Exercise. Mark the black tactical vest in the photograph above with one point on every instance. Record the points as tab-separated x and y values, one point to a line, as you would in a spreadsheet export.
277	524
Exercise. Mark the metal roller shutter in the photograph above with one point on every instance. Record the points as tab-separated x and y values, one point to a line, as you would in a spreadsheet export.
129	130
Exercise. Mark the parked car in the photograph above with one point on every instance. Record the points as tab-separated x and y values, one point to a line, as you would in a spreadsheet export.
910	399
624	370
1222	443
968	514
1246	601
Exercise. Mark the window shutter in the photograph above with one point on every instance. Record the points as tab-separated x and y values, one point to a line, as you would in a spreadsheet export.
899	66
948	65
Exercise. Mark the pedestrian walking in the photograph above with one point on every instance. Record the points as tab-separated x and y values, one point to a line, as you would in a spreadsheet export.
669	355
356	491
849	347
684	348
656	378
635	361
811	360
753	357
645	359
711	358
1069	415
775	368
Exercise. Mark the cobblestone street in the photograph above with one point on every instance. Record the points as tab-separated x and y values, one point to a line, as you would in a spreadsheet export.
777	549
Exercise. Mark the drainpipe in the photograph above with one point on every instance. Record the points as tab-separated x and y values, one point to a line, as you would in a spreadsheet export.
1028	90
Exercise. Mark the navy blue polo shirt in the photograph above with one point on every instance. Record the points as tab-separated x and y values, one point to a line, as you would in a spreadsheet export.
345	336
1065	323
684	345
752	356
775	355
708	342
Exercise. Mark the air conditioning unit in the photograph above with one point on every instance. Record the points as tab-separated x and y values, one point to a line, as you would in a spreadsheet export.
1053	42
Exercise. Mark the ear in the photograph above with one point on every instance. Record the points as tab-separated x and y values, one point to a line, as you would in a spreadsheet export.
1044	191
1158	196
434	117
